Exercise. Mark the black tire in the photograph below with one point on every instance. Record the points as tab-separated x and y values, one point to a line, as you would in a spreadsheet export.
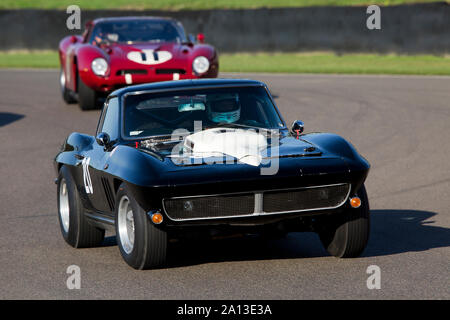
87	98
345	234
149	249
67	94
78	233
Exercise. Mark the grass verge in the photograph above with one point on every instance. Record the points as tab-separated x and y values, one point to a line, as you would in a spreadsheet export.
281	63
332	63
192	4
29	59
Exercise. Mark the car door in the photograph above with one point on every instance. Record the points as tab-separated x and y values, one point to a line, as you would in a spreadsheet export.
98	182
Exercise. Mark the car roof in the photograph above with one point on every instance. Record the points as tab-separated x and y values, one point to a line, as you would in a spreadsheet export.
128	18
181	84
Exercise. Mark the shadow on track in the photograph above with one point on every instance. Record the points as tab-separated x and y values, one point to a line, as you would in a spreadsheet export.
399	231
7	118
392	232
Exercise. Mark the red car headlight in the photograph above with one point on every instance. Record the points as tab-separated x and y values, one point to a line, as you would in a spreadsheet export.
200	65
99	66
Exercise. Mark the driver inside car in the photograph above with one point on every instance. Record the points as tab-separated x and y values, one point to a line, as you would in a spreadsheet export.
104	33
226	110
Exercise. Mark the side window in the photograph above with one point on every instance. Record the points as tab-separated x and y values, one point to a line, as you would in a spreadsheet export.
110	121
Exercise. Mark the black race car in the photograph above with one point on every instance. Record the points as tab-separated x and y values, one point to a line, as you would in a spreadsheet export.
194	157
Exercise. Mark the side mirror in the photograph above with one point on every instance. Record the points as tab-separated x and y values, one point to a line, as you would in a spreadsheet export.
73	39
103	139
200	38
297	127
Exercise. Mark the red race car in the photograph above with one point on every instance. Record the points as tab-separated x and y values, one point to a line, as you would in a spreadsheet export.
116	52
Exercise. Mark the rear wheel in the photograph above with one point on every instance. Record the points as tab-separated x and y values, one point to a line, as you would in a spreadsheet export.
67	94
74	226
345	235
87	98
141	244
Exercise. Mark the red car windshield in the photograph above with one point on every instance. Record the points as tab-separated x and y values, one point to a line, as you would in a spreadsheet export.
132	31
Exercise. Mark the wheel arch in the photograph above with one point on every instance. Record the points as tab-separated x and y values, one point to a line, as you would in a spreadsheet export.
84	56
116	184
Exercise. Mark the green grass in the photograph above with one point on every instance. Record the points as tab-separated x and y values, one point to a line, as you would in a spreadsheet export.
281	63
29	59
190	4
331	63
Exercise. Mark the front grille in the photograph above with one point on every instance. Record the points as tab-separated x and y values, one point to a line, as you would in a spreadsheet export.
131	71
258	203
170	71
305	199
210	207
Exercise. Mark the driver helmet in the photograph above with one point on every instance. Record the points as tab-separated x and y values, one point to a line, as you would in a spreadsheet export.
225	109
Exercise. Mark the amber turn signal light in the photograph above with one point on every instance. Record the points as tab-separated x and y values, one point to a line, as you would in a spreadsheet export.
355	202
157	218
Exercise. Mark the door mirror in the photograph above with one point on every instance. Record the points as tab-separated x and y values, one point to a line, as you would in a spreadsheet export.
297	127
200	38
103	139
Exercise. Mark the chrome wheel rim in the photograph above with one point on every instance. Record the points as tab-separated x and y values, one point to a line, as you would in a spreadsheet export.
62	80
125	225
64	205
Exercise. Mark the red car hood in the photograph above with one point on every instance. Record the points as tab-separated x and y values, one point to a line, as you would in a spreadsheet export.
146	54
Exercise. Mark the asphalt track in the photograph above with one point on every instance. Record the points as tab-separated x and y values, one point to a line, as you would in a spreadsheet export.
400	124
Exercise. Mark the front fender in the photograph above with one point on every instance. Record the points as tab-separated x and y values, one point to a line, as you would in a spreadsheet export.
212	55
332	143
85	54
66	42
135	167
72	146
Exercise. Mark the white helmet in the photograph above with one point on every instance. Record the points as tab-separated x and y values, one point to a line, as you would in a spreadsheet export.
225	109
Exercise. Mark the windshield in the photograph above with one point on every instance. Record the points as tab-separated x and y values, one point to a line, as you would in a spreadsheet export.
131	31
147	115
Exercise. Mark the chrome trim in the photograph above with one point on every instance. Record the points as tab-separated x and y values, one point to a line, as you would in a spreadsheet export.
125	225
261	193
258	203
64	205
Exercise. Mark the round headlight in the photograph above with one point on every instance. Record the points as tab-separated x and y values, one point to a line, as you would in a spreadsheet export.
200	64
99	66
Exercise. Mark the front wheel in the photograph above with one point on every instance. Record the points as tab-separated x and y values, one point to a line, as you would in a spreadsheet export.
141	244
87	97
345	235
75	228
67	95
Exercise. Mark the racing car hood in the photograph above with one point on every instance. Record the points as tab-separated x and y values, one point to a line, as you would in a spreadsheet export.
198	163
242	146
145	54
226	155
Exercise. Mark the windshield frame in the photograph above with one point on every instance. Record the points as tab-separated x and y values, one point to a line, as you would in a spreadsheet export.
176	24
124	137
